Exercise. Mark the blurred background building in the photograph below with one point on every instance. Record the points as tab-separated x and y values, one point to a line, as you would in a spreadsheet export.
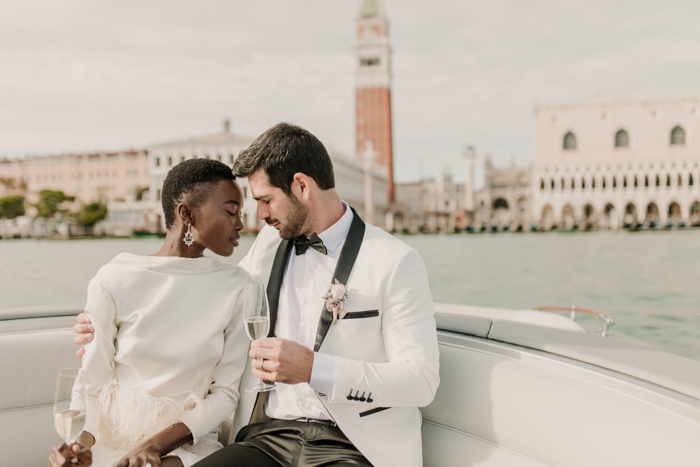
617	164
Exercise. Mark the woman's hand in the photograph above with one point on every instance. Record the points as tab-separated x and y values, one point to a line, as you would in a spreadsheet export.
141	455
76	456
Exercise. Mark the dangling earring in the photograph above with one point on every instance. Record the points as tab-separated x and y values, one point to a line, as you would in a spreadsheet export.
189	238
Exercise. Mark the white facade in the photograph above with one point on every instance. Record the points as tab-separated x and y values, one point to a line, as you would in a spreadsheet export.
505	201
617	164
223	147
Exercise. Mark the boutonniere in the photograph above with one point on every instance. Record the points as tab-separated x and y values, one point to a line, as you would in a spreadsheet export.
336	298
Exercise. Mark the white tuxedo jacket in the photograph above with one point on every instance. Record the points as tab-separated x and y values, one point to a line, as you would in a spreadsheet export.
388	361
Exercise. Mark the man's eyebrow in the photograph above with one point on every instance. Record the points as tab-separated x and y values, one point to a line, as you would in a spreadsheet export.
260	197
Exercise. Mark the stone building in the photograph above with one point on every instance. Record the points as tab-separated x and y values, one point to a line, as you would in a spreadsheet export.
504	202
431	205
617	164
106	177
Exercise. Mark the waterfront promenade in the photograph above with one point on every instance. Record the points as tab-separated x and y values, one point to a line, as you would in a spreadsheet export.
646	280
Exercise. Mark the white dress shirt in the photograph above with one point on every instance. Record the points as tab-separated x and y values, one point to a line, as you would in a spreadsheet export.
306	280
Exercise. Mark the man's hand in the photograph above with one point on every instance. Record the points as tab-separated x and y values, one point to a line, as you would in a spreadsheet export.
285	361
84	330
76	456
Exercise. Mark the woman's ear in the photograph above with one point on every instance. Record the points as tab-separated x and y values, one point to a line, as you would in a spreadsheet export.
185	214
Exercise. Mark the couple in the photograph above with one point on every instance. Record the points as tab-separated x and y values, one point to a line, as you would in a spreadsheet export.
168	354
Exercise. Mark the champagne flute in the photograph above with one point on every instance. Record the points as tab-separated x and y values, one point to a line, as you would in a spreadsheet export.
257	323
69	404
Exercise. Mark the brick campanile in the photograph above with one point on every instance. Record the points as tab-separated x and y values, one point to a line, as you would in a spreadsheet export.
373	88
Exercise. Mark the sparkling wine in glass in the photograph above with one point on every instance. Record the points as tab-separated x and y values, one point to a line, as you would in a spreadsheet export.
69	404
257	323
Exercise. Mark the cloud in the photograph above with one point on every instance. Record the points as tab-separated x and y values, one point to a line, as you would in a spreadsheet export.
83	75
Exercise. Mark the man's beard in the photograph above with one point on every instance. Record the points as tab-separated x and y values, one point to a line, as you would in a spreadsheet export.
294	220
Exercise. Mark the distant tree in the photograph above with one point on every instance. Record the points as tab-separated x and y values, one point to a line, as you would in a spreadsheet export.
92	213
50	202
11	207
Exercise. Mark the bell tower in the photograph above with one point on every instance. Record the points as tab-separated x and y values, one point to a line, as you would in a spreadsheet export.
373	88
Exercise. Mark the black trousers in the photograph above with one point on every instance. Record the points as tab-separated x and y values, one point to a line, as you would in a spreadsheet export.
287	443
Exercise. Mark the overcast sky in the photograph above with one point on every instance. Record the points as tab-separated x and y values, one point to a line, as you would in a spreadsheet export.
83	75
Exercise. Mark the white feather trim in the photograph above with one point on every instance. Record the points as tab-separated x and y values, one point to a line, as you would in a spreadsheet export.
129	415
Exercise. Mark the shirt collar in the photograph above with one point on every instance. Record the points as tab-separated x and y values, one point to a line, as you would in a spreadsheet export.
334	235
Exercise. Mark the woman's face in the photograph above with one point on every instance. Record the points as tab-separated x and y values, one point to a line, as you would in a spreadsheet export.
218	221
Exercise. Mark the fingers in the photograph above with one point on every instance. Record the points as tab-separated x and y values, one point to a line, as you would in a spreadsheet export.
266	342
83	318
267	354
80	352
80	328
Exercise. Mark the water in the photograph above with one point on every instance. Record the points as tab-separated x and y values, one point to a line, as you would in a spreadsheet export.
647	280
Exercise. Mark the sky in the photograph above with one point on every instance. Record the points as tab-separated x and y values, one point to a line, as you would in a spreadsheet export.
92	75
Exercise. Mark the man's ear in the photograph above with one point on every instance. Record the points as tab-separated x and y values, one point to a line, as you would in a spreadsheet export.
301	185
185	214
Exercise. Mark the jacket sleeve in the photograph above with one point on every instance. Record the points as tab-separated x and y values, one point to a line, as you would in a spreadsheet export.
410	376
224	393
98	363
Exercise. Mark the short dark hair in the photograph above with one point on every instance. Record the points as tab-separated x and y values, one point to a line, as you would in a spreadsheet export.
285	150
190	181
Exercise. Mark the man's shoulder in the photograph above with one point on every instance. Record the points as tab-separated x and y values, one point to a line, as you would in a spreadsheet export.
379	239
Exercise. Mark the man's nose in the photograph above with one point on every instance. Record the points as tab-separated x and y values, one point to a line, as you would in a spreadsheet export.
262	211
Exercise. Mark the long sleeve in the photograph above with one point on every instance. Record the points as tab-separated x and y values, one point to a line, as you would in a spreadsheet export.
224	393
410	377
98	363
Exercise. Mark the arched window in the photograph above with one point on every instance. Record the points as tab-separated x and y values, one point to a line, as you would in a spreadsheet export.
604	184
646	180
622	139
551	183
678	135
573	184
658	182
562	184
680	180
615	182
569	141
668	180
593	183
690	180
500	203
583	183
542	184
624	182
636	183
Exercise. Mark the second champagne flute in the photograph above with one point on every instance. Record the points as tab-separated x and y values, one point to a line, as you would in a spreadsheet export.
257	323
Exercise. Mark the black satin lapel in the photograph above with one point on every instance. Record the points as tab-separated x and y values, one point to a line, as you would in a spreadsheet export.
275	282
347	258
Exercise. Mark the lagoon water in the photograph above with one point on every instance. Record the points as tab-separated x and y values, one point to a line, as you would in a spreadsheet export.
647	280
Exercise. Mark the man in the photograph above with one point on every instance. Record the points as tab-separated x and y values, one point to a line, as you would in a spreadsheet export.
349	382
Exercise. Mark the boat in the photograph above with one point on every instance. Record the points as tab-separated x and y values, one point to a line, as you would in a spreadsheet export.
519	388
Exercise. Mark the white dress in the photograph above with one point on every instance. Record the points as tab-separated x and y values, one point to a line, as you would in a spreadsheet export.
169	346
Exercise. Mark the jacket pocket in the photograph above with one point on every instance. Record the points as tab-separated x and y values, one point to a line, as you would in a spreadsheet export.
361	314
373	411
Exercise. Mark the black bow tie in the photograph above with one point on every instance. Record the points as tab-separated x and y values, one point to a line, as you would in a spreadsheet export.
301	244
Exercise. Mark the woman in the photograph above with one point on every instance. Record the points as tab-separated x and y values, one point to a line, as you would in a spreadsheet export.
162	372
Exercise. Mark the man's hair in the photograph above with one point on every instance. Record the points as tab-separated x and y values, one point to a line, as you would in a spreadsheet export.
190	182
285	150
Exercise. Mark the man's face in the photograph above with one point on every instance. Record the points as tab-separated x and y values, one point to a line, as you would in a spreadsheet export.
285	213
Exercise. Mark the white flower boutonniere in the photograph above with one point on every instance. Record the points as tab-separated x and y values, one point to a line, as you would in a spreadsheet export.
336	298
